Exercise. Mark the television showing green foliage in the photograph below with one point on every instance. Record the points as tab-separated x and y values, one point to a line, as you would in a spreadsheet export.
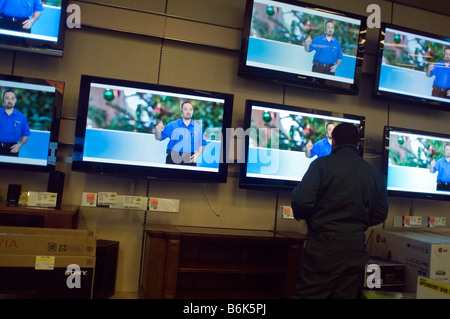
410	51
294	27
414	151
290	131
37	106
139	111
54	3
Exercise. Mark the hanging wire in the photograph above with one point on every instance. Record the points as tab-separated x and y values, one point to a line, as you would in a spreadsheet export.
13	63
276	216
141	264
209	203
162	44
148	181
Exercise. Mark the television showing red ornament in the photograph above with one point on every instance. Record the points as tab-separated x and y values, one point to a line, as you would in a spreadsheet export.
413	66
416	163
281	43
118	123
276	156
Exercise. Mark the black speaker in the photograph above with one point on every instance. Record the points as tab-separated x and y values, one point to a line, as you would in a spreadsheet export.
56	185
107	256
13	195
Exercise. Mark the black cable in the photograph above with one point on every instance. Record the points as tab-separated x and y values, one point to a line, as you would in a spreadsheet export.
162	45
143	240
276	216
389	111
13	63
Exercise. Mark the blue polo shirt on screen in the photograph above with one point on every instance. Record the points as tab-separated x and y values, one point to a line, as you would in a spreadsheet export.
20	8
442	74
321	148
443	169
183	139
13	127
327	52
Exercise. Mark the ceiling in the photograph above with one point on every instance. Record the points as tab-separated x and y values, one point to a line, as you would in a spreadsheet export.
438	6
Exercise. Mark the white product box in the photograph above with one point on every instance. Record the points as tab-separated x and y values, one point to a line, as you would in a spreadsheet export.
429	289
131	202
164	205
42	199
286	212
106	198
89	199
424	254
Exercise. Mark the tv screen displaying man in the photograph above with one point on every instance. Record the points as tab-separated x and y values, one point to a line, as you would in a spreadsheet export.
186	137
14	129
415	67
19	15
295	39
442	167
441	73
328	53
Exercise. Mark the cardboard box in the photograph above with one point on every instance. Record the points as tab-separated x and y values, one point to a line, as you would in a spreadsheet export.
46	231
392	273
46	263
47	241
429	289
41	199
424	254
130	202
46	277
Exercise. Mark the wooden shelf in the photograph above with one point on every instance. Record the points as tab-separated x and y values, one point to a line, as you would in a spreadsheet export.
64	217
228	268
204	262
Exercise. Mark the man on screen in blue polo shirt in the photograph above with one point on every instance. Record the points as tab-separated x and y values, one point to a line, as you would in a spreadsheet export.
14	129
328	54
322	147
19	15
442	166
186	137
441	71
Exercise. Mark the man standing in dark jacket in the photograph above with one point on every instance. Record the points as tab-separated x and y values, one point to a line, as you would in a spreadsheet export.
340	197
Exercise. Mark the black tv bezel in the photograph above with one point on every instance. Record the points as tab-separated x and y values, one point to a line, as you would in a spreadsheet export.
147	172
56	119
280	185
408	194
404	98
38	46
301	80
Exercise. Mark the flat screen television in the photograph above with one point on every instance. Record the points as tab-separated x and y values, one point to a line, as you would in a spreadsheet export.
118	124
417	163
295	43
276	139
34	26
412	67
40	103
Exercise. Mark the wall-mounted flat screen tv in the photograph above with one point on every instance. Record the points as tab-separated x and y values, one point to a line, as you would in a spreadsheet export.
281	141
417	163
150	131
295	43
29	122
33	26
413	66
